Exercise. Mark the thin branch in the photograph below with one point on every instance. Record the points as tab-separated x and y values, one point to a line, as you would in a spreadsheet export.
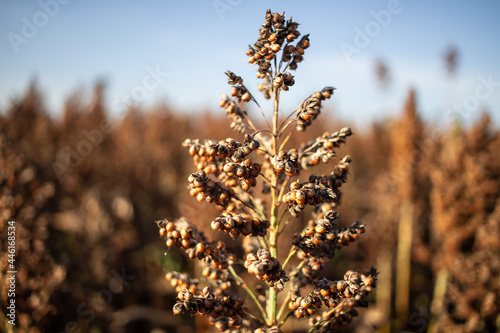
250	292
286	318
261	111
265	179
323	318
285	225
282	191
285	141
291	121
246	204
309	148
293	250
285	303
297	269
260	212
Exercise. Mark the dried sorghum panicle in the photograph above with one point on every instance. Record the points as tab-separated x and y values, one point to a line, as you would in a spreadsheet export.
311	268
236	224
322	237
283	81
205	188
342	297
278	50
311	107
266	268
182	281
211	156
304	307
203	156
235	113
238	90
287	162
246	172
231	107
233	79
318	190
226	311
298	53
276	35
188	238
354	285
323	148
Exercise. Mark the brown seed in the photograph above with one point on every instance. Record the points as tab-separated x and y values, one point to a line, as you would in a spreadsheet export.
246	97
368	281
320	229
305	116
305	303
325	292
300	198
185	233
244	185
192	150
200	247
269	56
178	308
170	226
186	242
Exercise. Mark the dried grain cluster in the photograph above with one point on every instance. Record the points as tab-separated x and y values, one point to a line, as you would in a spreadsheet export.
256	185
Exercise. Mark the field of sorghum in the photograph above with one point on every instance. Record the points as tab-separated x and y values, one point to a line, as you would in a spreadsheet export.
84	190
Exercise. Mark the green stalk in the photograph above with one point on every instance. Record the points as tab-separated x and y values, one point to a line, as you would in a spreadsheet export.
273	246
249	291
293	250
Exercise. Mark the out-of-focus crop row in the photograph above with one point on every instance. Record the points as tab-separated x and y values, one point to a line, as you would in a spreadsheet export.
83	189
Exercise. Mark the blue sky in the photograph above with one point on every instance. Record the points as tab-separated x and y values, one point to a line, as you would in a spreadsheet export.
189	44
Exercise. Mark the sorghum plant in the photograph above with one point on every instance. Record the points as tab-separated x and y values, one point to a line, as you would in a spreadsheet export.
227	176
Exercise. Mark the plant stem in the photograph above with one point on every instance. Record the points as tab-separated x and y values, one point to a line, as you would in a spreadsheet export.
273	246
297	269
285	319
249	291
293	250
284	303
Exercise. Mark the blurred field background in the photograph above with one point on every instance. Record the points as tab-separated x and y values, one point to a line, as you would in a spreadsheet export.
85	185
